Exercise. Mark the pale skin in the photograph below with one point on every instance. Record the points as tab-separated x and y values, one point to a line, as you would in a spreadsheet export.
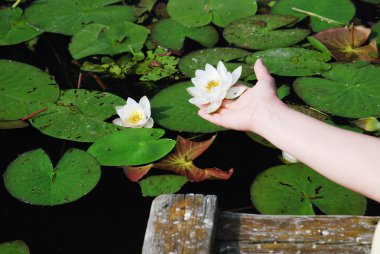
345	157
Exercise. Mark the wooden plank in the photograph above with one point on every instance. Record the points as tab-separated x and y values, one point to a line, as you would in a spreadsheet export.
181	224
252	233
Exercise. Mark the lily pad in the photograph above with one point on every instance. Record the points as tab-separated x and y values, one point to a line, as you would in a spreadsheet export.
261	32
131	147
170	34
14	247
231	57
69	16
171	109
347	90
13	124
296	188
31	177
198	13
14	28
98	39
165	184
24	89
324	14
292	61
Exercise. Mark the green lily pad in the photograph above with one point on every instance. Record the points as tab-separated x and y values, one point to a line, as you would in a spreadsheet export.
324	14
131	147
14	247
24	90
165	184
171	109
318	45
197	60
261	32
14	28
348	90
295	189
69	16
292	61
198	13
170	34
31	177
98	39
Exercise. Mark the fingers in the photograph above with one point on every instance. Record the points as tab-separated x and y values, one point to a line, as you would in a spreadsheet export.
261	71
213	118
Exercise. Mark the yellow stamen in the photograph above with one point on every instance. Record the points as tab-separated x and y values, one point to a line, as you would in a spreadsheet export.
134	118
211	84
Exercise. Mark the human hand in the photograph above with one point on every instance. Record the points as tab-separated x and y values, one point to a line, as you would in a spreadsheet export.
247	112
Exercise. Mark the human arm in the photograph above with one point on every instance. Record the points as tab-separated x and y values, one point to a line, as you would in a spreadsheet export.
345	157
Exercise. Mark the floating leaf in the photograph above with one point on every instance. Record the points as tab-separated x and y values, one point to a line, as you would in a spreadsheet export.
283	91
324	14
14	247
348	90
318	45
169	33
14	28
31	177
198	13
135	173
292	61
295	188
13	124
24	89
131	147
231	57
69	16
171	109
181	161
261	32
345	44
157	185
98	39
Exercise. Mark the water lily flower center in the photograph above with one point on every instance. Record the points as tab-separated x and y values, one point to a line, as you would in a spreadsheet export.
211	84
134	118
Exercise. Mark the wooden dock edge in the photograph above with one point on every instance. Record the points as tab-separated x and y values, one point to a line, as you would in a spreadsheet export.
191	224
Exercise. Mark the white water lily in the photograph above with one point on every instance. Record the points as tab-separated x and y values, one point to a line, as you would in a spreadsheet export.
289	158
212	85
134	115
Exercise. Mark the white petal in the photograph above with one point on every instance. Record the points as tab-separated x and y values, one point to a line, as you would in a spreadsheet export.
120	110
199	73
212	72
222	70
118	121
145	105
149	123
198	101
289	158
213	106
193	91
200	82
235	91
236	74
131	102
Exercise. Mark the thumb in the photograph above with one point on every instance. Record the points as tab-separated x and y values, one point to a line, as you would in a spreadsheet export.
261	71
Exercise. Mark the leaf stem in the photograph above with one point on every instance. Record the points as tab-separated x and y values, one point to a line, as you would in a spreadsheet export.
312	14
16	3
33	114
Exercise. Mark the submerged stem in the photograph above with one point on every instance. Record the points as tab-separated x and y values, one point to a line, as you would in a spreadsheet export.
16	3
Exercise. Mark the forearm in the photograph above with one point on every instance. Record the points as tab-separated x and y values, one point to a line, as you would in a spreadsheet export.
345	157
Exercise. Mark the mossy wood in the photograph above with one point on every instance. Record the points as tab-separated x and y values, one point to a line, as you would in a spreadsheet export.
174	218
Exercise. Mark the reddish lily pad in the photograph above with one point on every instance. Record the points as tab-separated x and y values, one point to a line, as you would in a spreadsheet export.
135	173
346	44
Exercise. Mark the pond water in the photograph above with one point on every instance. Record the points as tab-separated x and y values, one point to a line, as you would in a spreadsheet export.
112	217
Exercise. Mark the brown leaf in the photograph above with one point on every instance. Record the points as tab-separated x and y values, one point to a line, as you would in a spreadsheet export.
345	44
135	173
181	161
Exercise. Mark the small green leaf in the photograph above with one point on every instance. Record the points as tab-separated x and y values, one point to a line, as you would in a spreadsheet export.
24	90
295	188
31	177
261	32
131	147
69	16
165	184
14	28
171	109
292	61
98	39
14	247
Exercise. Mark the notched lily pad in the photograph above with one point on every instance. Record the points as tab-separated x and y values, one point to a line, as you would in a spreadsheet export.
171	109
231	57
131	147
31	177
261	32
347	90
24	90
296	188
165	184
292	61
